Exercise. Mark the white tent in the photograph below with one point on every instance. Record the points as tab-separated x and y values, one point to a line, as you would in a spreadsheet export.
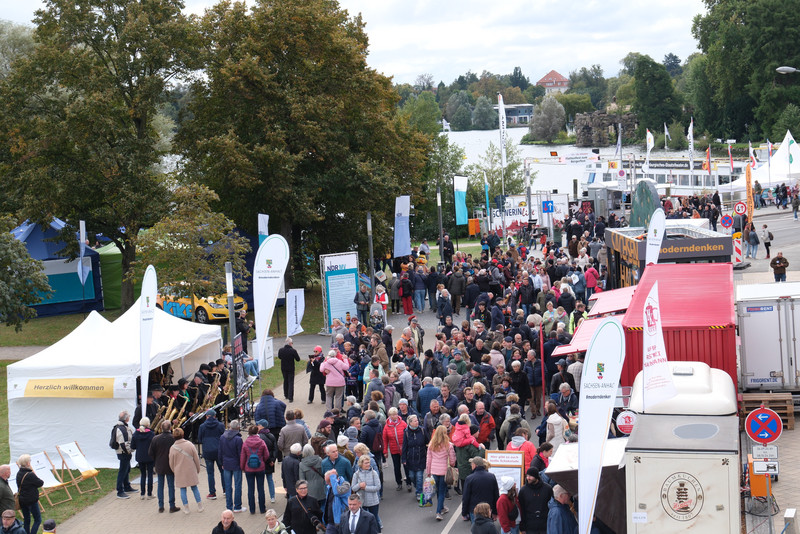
75	389
782	167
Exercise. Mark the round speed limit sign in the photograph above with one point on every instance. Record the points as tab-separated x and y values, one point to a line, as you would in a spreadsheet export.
740	208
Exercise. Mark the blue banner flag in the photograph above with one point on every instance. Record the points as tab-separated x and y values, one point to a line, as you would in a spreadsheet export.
460	195
402	233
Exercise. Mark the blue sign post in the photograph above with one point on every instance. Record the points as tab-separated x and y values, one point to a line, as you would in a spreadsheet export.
547	206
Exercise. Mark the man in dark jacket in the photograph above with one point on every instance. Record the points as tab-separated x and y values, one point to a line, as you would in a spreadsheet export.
480	486
6	494
290	469
208	435
457	288
227	525
230	450
431	283
533	499
448	250
498	317
287	355
471	293
11	525
159	452
272	410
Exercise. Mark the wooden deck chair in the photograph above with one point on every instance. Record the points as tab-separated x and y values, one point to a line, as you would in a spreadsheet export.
73	459
44	469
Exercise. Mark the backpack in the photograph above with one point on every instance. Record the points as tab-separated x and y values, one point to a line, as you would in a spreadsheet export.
113	443
513	426
377	443
769	235
253	461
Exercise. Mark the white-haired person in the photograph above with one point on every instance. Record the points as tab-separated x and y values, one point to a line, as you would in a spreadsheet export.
140	442
274	526
335	371
28	485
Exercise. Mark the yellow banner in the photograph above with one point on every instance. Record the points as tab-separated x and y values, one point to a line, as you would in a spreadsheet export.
78	388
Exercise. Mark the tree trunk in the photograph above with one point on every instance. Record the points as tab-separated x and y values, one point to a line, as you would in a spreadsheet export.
128	256
286	232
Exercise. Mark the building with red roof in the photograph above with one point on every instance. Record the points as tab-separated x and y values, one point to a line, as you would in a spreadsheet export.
553	82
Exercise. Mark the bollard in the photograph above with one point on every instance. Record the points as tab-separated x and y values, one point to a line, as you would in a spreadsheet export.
789	521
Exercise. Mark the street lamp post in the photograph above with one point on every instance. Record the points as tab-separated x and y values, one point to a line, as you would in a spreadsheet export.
441	228
371	258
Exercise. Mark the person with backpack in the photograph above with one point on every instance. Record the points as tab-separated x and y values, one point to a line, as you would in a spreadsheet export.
208	435
253	461
513	422
121	442
272	447
766	238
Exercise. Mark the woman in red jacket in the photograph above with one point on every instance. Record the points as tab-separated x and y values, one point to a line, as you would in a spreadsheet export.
253	461
508	506
393	443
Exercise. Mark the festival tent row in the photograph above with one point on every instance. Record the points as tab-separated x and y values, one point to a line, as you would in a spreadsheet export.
782	167
69	295
75	389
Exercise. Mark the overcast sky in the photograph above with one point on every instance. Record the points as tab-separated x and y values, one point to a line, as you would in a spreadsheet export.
449	37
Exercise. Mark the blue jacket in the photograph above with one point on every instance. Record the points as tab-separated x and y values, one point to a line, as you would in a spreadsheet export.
368	433
451	404
140	442
420	282
560	520
342	466
497	317
272	410
230	450
414	453
425	395
208	435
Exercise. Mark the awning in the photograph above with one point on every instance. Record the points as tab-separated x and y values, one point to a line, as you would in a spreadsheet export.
616	300
580	341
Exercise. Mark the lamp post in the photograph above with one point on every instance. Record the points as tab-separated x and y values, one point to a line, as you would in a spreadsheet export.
441	228
371	258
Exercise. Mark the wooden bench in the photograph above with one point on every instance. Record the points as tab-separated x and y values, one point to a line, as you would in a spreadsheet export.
781	403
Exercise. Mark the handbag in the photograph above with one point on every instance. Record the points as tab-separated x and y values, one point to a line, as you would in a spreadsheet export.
17	505
451	476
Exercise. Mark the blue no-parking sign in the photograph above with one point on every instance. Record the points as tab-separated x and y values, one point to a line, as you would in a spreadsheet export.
763	425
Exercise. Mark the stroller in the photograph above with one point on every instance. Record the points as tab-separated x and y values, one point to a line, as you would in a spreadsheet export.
376	317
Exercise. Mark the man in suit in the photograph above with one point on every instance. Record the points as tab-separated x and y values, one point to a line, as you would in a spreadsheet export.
356	520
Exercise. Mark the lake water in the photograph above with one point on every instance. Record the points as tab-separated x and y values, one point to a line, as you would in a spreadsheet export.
552	172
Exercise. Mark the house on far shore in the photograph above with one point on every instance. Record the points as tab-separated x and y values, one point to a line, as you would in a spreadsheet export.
518	113
554	82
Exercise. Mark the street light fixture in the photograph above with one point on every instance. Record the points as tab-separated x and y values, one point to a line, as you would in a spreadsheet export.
786	70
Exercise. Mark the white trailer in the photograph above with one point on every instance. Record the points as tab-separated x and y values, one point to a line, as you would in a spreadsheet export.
768	331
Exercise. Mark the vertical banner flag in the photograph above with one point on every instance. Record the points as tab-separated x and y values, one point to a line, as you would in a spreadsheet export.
84	264
690	137
460	196
657	384
730	156
486	192
402	233
598	393
501	111
295	308
650	144
147	315
655	235
791	159
618	151
666	135
263	227
268	271
753	155
708	159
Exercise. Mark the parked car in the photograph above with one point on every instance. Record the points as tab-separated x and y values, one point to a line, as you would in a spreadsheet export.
207	309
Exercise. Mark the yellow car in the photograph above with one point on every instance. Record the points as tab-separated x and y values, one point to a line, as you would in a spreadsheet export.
213	308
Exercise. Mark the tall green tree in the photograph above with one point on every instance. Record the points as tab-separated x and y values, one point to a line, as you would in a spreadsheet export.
490	165
589	82
484	116
76	116
574	103
673	64
190	246
699	96
445	160
462	120
788	120
423	113
22	279
655	102
548	119
519	80
457	100
290	121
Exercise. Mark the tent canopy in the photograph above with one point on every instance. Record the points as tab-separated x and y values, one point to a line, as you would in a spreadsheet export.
581	339
782	167
76	388
615	300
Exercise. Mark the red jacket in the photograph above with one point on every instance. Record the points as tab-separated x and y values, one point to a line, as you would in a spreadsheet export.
393	436
486	424
462	437
504	506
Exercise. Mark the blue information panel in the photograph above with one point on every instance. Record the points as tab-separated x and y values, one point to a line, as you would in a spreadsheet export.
547	206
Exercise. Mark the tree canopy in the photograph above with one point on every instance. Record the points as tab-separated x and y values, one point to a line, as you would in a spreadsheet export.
76	116
548	119
656	102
